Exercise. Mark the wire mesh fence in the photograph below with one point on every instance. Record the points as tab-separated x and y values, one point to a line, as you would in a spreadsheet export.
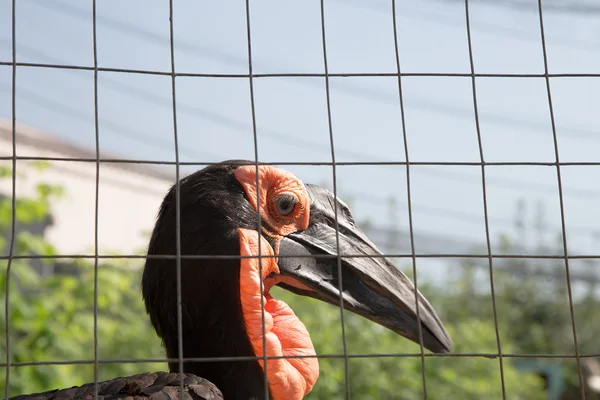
484	266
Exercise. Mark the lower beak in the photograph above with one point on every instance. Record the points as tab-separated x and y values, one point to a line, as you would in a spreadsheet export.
372	286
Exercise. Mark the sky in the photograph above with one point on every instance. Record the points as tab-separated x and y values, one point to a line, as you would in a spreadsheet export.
215	122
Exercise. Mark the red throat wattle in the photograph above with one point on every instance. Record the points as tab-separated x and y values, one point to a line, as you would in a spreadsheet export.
285	334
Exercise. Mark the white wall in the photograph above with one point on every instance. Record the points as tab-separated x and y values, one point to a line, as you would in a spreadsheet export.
129	195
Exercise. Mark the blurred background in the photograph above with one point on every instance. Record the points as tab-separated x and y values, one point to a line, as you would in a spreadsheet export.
51	299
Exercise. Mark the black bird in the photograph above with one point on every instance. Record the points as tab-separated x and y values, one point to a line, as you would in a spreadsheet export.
222	300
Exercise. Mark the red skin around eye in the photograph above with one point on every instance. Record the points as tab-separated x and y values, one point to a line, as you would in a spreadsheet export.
286	335
274	181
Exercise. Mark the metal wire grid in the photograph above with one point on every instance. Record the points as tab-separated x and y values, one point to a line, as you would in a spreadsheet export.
326	75
302	74
562	205
484	193
408	195
258	197
96	197
14	201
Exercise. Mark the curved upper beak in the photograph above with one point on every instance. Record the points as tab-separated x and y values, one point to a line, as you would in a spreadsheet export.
372	286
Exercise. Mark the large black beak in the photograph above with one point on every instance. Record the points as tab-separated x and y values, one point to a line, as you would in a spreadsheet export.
372	286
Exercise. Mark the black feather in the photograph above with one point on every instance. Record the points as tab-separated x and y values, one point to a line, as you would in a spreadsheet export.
213	206
157	385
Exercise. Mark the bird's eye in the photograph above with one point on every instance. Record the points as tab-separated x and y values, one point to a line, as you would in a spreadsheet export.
286	203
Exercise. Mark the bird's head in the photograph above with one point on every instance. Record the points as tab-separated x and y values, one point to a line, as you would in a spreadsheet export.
303	229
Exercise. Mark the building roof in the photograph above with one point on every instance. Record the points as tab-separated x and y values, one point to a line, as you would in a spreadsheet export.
36	138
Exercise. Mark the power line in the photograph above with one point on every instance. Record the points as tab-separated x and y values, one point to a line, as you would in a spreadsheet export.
376	95
215	117
135	31
426	210
119	130
580	193
462	113
220	119
373	5
477	24
197	112
581	7
468	217
313	146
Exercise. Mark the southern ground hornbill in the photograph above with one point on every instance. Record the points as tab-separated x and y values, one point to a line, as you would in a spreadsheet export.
221	297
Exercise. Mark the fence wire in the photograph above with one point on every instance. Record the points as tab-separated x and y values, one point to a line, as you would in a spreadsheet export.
11	245
9	365
258	198
408	193
96	195
485	202
562	205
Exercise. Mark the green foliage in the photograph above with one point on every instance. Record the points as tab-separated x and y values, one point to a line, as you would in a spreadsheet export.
52	319
400	376
52	316
533	310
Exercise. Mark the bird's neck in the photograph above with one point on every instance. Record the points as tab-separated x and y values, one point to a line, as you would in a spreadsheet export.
215	333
